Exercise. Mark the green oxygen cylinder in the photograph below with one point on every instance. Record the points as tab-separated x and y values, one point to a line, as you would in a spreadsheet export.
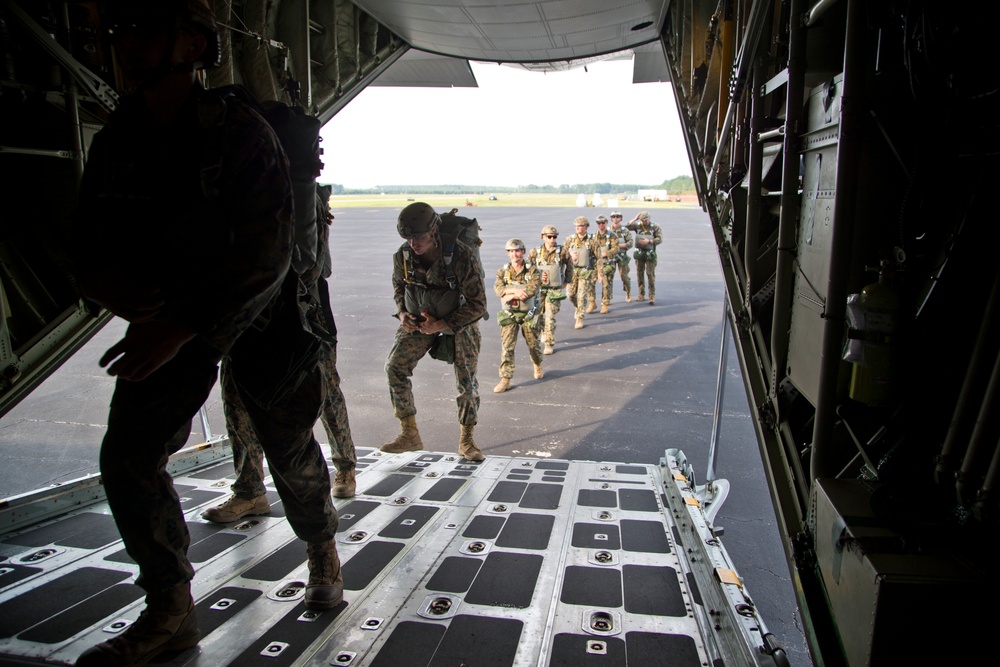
875	377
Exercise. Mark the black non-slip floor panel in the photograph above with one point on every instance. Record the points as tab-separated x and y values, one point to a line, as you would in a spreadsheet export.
592	587
644	537
478	640
409	522
638	500
542	497
526	531
354	511
365	565
507	492
506	580
597	498
222	605
652	590
279	564
79	617
298	634
484	527
87	530
389	485
51	598
596	536
651	649
455	575
411	644
443	490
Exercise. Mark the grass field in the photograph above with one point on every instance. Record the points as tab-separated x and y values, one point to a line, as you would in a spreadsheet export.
512	199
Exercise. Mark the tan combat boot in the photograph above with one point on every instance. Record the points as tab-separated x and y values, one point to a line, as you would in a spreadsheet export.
604	308
408	439
539	373
628	298
345	483
502	386
467	446
168	623
579	323
549	349
325	588
235	508
591	307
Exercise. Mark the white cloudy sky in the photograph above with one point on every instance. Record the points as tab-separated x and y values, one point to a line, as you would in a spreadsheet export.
516	128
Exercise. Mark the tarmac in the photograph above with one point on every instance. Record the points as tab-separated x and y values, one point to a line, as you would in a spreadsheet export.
630	384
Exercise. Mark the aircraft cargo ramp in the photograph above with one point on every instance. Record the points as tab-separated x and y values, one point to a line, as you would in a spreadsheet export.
512	561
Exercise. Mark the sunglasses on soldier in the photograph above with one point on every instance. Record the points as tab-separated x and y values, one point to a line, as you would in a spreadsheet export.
550	236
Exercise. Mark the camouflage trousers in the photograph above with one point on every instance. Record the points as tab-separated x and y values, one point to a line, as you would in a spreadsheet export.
580	289
248	456
607	286
549	311
410	347
624	270
508	340
645	269
294	458
147	422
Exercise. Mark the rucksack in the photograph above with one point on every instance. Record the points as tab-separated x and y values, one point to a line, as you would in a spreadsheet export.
298	134
465	230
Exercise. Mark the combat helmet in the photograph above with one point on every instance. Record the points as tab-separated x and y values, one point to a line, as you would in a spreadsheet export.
514	244
601	218
416	219
195	14
616	214
549	229
581	221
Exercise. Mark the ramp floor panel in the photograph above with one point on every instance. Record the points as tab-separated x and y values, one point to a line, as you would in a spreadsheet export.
513	561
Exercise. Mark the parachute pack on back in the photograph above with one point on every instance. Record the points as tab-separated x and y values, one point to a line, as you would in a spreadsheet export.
454	228
298	134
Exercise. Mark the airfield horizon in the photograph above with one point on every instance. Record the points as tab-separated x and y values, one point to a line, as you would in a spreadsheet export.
516	199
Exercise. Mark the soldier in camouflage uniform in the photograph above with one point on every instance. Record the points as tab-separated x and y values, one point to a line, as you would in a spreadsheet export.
581	251
518	284
647	237
142	181
608	245
622	259
435	302
248	497
553	268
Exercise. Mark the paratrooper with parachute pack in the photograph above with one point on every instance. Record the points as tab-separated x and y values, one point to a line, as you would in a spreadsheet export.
553	268
518	285
440	298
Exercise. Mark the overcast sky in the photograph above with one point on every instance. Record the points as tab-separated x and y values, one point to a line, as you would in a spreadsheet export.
516	128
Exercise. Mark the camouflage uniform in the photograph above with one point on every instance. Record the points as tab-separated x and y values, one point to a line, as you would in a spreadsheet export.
607	244
141	182
410	347
622	259
550	307
645	260
510	322
580	284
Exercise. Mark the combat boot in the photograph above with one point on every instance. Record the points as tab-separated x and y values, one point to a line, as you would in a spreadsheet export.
539	373
467	446
325	588
408	439
548	349
168	623
604	308
628	298
591	307
502	386
652	301
345	483
579	323
235	508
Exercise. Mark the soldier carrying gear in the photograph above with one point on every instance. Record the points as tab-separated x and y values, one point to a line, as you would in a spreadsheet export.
647	237
581	250
607	243
435	294
553	269
518	285
623	260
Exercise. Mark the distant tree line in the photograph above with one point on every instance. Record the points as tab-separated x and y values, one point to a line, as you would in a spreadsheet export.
677	185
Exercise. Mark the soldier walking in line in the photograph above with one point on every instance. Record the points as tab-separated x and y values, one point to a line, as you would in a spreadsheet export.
580	249
439	301
647	237
622	259
607	244
553	269
518	285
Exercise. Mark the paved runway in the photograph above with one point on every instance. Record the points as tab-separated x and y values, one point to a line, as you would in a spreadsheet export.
630	384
